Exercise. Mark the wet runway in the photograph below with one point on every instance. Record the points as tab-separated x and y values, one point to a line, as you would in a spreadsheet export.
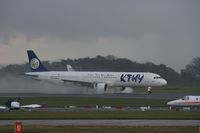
106	122
134	95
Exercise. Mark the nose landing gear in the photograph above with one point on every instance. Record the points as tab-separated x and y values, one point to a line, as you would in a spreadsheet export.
149	90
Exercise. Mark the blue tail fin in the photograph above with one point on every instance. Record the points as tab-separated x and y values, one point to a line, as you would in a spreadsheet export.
35	63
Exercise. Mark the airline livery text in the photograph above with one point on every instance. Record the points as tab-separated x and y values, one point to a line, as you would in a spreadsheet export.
131	77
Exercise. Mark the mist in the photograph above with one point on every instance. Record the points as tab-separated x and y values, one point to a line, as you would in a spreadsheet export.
23	84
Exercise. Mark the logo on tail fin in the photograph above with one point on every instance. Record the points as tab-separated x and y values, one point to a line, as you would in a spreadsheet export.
34	63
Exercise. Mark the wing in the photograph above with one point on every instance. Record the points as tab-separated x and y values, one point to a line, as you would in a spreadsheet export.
32	106
3	108
87	84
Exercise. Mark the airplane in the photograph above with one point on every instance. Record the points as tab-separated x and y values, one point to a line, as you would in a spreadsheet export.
101	81
186	101
15	105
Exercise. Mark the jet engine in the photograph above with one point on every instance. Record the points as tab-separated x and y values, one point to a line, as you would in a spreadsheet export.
127	90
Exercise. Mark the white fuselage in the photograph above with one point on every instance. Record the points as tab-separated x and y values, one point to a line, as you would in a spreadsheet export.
186	101
121	79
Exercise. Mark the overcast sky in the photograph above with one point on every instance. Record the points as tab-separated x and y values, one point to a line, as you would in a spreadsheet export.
158	31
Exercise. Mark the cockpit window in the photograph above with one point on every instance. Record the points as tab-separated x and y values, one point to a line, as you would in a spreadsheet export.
157	77
185	98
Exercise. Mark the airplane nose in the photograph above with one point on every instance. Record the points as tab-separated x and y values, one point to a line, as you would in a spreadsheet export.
165	82
169	103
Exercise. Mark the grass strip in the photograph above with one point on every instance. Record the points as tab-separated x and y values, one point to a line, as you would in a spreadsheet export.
81	101
172	115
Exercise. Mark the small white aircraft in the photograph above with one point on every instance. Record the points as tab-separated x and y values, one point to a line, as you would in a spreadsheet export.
15	105
186	101
98	80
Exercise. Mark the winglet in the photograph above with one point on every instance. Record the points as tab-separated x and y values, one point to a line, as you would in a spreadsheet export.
69	68
35	63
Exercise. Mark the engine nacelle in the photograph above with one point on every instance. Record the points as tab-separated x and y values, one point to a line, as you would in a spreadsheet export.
14	105
100	87
127	90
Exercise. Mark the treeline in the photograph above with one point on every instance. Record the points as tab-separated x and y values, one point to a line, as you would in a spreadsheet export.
187	77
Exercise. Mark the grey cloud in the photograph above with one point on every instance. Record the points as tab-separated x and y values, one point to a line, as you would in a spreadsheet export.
174	23
88	17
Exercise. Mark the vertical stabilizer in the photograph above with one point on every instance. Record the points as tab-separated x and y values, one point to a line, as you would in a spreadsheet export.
35	63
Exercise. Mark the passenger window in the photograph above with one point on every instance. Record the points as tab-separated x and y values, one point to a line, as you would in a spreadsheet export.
157	77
